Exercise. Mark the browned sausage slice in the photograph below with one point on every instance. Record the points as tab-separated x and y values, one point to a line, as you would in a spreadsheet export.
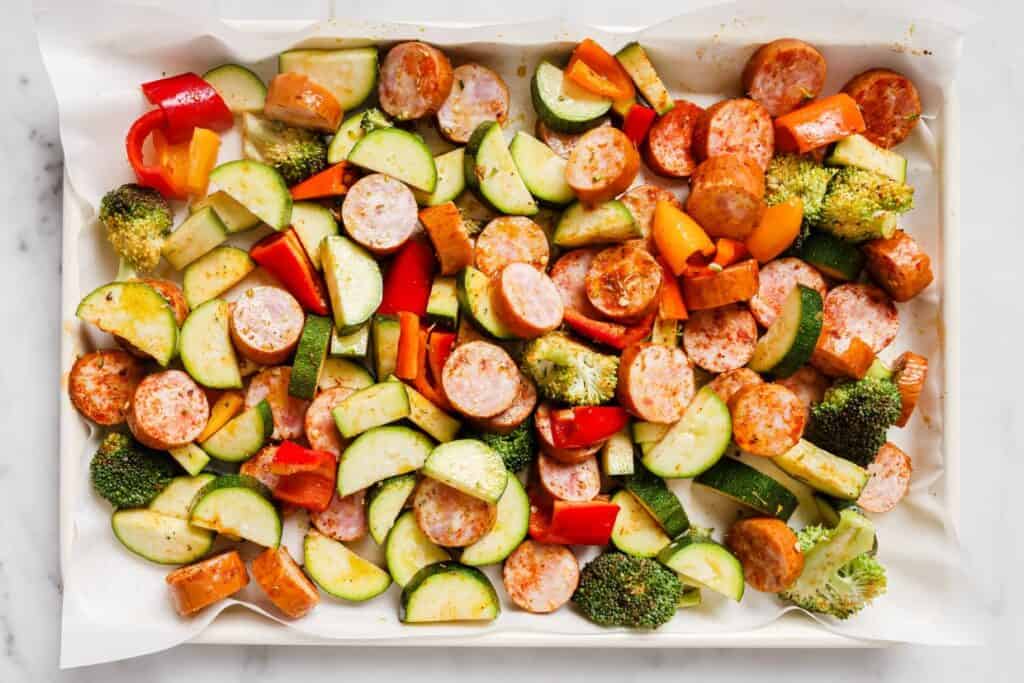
783	75
889	481
669	147
623	282
344	519
415	79
539	577
101	385
655	382
561	144
321	431
527	301
449	517
767	419
477	95
577	482
266	323
720	339
379	213
909	372
863	311
299	101
899	265
569	456
289	412
767	549
742	127
776	280
511	239
641	201
284	583
808	384
258	467
728	384
889	103
727	196
513	416
603	164
570	277
736	283
168	410
201	584
480	379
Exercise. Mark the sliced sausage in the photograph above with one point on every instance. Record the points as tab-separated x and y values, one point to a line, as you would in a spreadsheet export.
889	479
289	412
511	239
379	213
480	379
569	456
669	146
899	265
767	419
641	201
321	431
168	410
776	280
415	79
344	519
298	100
266	323
767	549
603	164
570	277
282	579
201	584
258	467
783	75
735	283
561	144
655	382
477	95
580	481
539	577
727	196
739	127
889	103
841	357
623	282
513	416
863	311
527	301
720	339
808	384
909	372
728	384
449	517
101	385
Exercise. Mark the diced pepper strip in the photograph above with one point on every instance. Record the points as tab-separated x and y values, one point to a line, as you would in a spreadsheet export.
407	364
583	426
226	406
188	102
678	236
291	458
331	182
422	383
779	226
612	334
583	75
729	251
283	256
439	348
305	490
819	123
638	122
156	177
202	157
602	71
573	523
407	284
670	303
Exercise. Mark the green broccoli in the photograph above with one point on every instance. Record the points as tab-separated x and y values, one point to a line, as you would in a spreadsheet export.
517	448
853	417
791	176
570	372
862	205
622	590
840	577
296	153
136	219
127	473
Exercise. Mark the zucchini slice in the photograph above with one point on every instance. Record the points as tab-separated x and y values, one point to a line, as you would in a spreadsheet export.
238	506
448	591
836	258
508	531
354	282
695	442
649	432
636	532
243	435
205	348
617	457
176	499
198	235
492	174
659	501
637	64
341	572
451	179
443	303
665	332
310	356
312	223
350	74
257	187
214	273
606	223
702	562
856	150
399	154
408	550
160	538
340	372
380	453
470	466
351	345
745	485
822	471
790	341
235	217
385	503
385	332
135	312
191	457
475	293
428	417
542	171
371	407
240	88
561	104
352	130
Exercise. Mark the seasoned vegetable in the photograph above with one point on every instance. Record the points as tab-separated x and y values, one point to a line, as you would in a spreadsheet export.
127	473
862	205
136	219
621	590
853	418
568	371
296	153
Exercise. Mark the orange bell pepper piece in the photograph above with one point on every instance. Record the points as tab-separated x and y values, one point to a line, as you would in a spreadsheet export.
202	157
729	251
175	159
595	69
407	364
422	382
819	123
331	182
678	237
671	305
779	227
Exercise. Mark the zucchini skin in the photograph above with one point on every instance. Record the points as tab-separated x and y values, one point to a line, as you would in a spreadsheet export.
743	483
808	331
553	120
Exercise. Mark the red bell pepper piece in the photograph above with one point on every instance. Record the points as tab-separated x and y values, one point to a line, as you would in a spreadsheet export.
638	122
332	182
305	490
440	347
611	334
573	523
188	102
307	477
407	285
291	458
283	256
584	426
157	177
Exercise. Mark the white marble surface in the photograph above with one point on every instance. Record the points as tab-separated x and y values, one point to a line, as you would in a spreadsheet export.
992	86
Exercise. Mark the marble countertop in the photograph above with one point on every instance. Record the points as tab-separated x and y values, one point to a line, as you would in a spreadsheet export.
992	94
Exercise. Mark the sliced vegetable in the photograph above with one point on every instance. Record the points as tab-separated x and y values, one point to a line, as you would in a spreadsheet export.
638	122
310	355
696	442
227	405
608	222
678	237
306	478
385	503
333	181
608	333
407	549
779	227
352	130
407	363
155	176
573	523
834	257
476	299
671	306
188	102
659	501
857	150
789	342
136	313
428	416
380	453
205	347
340	572
492	173
353	281
443	302
202	157
819	123
242	436
371	407
451	179
407	285
470	466
238	506
214	273
702	562
352	345
561	104
446	591
198	235
350	74
257	187
745	485
542	171
313	222
822	471
399	154
583	426
617	454
160	538
602	75
235	217
509	530
191	457
240	88
637	64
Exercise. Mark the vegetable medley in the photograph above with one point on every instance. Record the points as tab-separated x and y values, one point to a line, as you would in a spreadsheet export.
478	392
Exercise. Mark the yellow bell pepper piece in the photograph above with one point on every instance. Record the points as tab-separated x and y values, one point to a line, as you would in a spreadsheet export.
226	407
678	237
202	157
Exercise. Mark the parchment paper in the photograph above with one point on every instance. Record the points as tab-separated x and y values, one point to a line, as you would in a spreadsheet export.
116	605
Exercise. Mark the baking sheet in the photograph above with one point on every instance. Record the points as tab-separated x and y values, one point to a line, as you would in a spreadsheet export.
115	605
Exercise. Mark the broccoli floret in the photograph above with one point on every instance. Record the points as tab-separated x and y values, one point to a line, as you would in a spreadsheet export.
517	448
136	219
621	590
296	153
791	176
127	473
852	418
569	372
839	577
862	205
